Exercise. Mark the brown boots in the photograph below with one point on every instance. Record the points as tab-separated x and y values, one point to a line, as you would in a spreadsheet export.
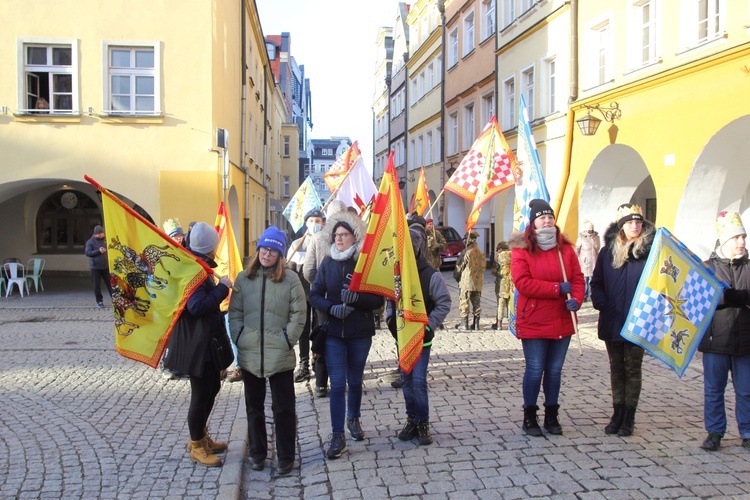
200	453
204	450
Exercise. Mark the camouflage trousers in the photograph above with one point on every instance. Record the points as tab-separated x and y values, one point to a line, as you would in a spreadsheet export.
502	308
473	298
625	360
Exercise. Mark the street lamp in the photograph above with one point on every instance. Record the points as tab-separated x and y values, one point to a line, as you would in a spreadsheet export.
589	124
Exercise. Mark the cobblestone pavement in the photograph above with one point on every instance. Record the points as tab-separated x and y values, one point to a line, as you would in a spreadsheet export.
79	421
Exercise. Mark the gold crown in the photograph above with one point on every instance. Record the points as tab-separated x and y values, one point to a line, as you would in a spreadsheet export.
628	209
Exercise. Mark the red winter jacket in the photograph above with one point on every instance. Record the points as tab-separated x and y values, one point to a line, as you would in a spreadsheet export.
541	312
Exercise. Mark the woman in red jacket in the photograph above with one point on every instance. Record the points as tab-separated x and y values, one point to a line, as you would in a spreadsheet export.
543	314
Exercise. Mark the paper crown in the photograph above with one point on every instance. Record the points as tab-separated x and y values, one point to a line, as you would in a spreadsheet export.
172	227
627	212
728	225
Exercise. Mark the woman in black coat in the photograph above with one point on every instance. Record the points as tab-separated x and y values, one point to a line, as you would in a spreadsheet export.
618	270
190	353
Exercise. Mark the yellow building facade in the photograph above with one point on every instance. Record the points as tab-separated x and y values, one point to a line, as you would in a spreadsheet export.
133	94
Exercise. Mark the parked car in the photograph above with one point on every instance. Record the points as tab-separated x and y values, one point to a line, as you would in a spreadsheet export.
454	246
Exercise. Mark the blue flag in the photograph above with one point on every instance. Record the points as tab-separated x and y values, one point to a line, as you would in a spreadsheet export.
305	199
673	304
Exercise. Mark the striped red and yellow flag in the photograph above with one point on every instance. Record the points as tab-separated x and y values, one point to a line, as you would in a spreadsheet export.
387	267
228	258
152	279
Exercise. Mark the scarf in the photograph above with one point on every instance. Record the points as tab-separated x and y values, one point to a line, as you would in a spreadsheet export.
546	237
336	254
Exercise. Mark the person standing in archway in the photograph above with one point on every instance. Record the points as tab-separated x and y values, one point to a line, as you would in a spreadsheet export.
96	251
587	249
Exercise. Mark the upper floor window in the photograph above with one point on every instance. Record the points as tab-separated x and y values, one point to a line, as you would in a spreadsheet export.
526	5
133	80
287	189
701	21
488	18
709	19
453	133
469	128
527	79
453	47
468	33
600	53
287	146
488	107
551	85
643	33
509	103
50	77
428	148
509	12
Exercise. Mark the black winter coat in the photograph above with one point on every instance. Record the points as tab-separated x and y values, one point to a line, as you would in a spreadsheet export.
97	260
612	290
729	332
189	348
325	292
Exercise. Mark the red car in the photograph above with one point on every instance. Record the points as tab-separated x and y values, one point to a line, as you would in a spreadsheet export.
454	247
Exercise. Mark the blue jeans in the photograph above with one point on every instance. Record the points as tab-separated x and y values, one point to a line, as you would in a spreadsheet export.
586	295
415	388
544	358
716	368
345	360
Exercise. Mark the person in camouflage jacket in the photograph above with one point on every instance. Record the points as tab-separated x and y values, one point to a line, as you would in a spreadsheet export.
503	283
471	265
435	244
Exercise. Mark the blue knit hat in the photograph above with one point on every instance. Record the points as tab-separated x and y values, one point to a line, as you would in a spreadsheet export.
272	238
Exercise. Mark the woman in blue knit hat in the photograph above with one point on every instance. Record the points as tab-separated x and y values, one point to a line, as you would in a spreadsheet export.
266	318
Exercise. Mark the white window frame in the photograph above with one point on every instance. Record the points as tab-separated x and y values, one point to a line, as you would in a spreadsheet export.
526	5
691	19
287	147
431	75
551	77
528	89
488	106
488	18
453	47
73	70
469	29
601	51
412	154
643	36
428	145
287	187
453	133
509	12
134	73
469	125
509	103
419	152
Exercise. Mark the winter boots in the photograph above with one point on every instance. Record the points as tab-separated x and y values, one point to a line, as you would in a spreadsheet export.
475	325
466	324
616	421
200	453
550	419
530	424
213	446
628	421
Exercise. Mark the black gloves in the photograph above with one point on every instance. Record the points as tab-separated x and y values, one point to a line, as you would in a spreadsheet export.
340	311
572	305
735	298
349	297
565	288
428	334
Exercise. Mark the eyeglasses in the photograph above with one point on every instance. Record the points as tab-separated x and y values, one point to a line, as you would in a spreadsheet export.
341	236
268	251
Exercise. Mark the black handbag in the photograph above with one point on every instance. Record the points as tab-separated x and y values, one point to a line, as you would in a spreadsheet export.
221	351
318	338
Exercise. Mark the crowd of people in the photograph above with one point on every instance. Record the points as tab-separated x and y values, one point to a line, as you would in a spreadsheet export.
299	294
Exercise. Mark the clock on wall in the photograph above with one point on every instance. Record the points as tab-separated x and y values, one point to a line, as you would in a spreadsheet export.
69	199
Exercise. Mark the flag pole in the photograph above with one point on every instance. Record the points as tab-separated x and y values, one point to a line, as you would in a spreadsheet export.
572	314
322	209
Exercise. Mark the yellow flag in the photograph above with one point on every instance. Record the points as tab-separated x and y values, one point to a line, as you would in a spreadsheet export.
228	258
152	278
387	267
421	201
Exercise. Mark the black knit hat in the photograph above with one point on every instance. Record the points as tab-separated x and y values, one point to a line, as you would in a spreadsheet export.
537	208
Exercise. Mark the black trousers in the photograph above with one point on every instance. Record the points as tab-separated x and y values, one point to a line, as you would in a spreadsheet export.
304	339
284	414
97	275
203	391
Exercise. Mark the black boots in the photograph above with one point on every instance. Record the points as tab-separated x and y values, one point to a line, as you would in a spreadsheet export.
475	325
550	419
628	422
530	424
616	420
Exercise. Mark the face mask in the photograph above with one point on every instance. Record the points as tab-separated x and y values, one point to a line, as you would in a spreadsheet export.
314	228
